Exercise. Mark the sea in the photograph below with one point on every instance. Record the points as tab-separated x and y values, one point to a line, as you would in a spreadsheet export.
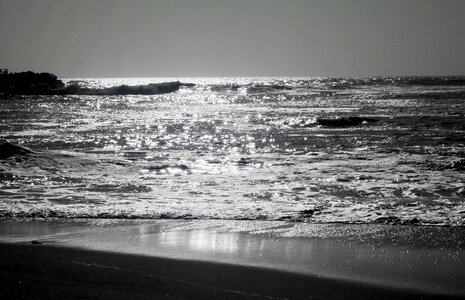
240	149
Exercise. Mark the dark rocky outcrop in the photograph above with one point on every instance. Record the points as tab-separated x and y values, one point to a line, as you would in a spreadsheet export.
30	83
167	167
345	121
7	150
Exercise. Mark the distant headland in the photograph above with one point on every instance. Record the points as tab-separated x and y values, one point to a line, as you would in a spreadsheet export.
31	83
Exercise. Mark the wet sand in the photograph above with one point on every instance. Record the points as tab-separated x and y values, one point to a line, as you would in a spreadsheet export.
229	260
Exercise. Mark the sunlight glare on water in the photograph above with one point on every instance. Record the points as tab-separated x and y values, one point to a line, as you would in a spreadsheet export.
241	148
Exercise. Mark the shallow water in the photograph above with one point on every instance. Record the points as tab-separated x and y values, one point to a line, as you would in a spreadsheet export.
241	148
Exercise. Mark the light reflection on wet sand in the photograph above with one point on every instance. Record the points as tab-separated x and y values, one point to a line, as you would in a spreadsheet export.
435	267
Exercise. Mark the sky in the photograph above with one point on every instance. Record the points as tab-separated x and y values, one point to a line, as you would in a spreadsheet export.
182	38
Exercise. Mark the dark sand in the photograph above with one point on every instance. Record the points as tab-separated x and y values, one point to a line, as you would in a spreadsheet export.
198	260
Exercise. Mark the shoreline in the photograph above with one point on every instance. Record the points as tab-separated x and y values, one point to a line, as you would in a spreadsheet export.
32	271
337	261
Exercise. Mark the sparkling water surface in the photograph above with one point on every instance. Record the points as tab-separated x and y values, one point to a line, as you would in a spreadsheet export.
241	148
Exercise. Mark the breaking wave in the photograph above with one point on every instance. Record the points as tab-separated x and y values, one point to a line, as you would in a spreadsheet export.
257	86
147	89
336	85
66	184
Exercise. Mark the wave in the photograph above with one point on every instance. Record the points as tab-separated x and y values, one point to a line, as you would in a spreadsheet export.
146	89
341	83
253	88
426	81
304	216
332	84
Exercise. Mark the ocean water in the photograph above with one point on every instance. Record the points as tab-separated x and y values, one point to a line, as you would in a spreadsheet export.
241	148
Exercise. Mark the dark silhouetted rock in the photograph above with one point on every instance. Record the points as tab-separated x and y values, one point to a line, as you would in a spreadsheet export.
30	83
309	212
8	150
344	122
166	167
393	220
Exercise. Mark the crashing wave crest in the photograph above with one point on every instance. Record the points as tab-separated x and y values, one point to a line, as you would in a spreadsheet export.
146	89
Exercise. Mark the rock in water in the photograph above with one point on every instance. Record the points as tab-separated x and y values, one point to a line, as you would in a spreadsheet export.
8	150
344	122
30	83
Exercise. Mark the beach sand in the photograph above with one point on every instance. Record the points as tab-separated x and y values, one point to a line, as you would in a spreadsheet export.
196	259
